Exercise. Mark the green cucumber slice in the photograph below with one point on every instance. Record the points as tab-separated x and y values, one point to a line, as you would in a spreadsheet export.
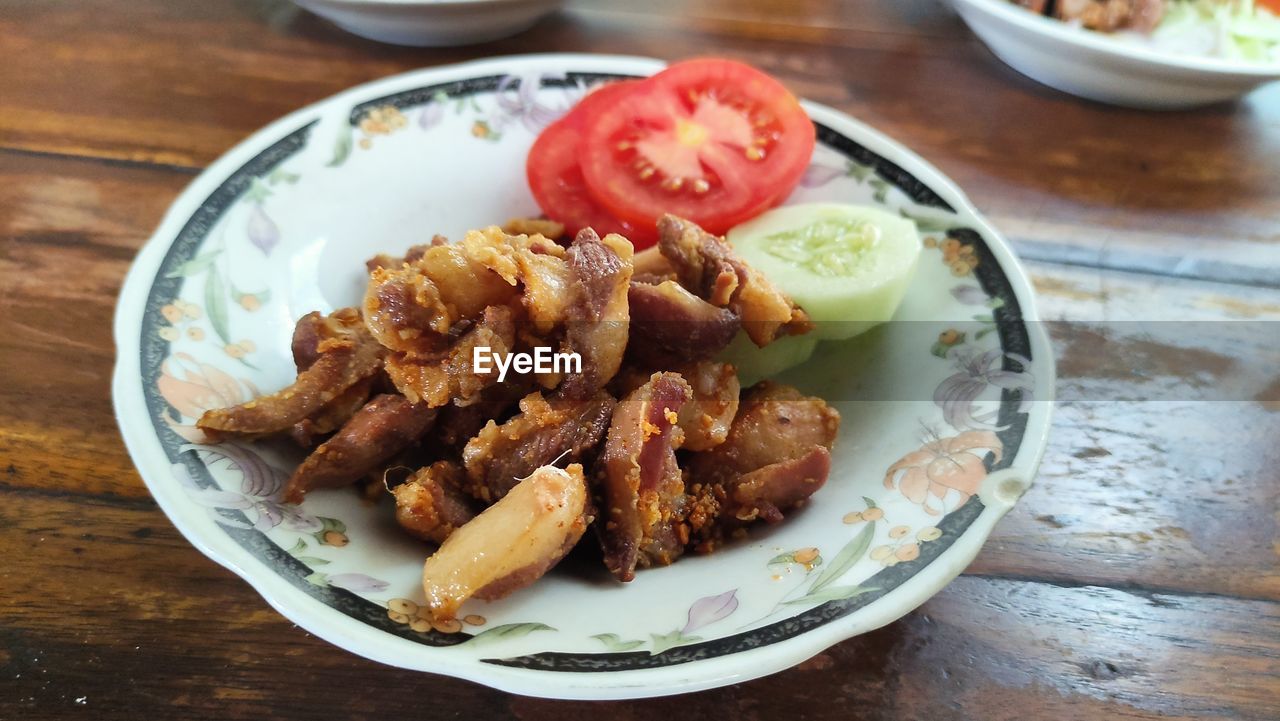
848	266
754	364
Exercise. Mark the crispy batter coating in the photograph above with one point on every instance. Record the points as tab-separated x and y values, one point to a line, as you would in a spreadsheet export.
642	492
346	355
378	431
776	455
669	325
545	432
534	226
332	415
707	266
597	321
449	376
682	461
431	504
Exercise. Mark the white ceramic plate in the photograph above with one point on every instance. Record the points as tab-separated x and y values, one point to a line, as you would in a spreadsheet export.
432	23
944	411
1095	66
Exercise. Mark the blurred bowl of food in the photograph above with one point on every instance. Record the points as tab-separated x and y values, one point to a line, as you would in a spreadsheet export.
432	23
1150	54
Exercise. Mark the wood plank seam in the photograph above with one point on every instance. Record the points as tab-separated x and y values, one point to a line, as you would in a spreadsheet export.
1144	591
1031	251
106	160
107	499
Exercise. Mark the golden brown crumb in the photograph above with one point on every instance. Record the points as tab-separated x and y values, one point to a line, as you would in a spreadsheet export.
534	226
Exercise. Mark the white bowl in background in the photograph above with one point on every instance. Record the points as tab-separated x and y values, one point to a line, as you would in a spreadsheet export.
1094	66
432	23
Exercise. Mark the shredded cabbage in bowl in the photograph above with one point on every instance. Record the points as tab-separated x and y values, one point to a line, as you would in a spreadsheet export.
1230	29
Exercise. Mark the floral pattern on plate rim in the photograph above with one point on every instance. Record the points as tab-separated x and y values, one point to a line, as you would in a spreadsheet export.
186	386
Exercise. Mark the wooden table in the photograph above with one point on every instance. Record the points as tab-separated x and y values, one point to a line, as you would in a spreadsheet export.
1139	578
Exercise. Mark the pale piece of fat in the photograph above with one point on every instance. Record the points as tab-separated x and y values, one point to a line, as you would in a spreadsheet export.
514	541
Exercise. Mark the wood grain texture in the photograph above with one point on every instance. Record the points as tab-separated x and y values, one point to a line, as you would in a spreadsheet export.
175	634
180	82
1139	578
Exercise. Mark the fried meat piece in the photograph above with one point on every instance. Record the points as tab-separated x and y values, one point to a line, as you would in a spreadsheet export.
307	334
511	544
382	260
385	426
430	503
642	492
411	309
533	265
459	424
707	266
651	267
768	491
706	419
775	422
306	340
449	375
670	324
397	469
545	432
703	263
346	356
776	455
534	226
596	323
333	415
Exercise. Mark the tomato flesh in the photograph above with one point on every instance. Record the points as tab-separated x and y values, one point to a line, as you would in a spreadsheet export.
557	182
713	141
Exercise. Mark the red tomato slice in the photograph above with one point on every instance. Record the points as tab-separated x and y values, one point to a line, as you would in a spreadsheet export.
714	141
557	182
